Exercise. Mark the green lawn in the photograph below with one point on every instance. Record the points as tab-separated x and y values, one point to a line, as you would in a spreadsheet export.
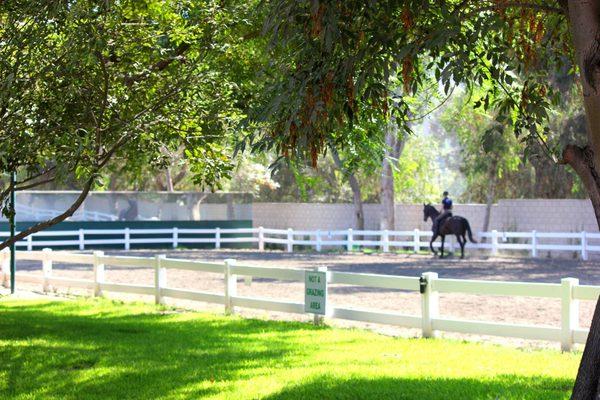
90	349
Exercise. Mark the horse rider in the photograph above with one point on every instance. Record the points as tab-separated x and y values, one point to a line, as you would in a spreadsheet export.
445	213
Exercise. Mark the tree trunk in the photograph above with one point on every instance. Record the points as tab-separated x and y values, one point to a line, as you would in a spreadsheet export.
359	216
394	146
588	376
491	194
584	17
169	180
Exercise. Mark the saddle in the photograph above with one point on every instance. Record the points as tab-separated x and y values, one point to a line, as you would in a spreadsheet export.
441	220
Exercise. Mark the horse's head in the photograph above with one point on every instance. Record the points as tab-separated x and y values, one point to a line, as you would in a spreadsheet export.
427	211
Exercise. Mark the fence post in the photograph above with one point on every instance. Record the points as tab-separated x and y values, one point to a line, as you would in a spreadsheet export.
175	237
416	241
218	238
81	240
30	242
569	313
290	240
584	252
98	273
429	303
349	240
47	269
127	236
230	286
494	242
160	278
386	241
534	243
5	267
318	237
317	318
261	238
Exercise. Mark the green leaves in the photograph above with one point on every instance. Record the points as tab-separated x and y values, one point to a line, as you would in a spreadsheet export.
506	50
118	85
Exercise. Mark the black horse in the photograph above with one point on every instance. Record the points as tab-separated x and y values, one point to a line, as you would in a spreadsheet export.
458	226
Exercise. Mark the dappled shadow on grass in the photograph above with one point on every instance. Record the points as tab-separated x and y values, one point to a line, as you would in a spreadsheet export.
96	350
53	353
500	387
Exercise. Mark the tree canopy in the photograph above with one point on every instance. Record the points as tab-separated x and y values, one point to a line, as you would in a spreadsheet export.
87	85
335	60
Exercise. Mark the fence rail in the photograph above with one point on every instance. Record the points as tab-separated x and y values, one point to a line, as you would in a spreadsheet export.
416	240
428	285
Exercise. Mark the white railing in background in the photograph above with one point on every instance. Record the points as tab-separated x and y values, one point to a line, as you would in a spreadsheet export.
416	240
27	213
569	291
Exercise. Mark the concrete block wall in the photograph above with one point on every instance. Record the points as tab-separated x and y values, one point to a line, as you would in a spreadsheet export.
510	215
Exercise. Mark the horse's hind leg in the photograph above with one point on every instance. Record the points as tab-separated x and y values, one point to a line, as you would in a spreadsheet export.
462	246
442	253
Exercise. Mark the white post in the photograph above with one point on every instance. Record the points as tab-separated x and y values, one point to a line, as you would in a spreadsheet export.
569	313
218	238
160	278
417	241
349	240
494	242
81	240
386	241
127	244
47	269
98	273
584	252
230	286
175	237
29	243
290	240
317	318
429	303
534	243
5	267
319	244
261	238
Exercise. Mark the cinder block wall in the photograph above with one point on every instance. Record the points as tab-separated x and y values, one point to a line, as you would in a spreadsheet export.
509	215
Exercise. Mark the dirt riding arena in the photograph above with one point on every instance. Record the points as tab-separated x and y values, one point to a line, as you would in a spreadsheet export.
528	310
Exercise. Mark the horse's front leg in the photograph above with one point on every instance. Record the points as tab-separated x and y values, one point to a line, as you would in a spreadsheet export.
442	253
431	243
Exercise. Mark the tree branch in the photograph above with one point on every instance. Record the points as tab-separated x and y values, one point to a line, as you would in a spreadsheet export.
53	221
581	159
518	4
158	66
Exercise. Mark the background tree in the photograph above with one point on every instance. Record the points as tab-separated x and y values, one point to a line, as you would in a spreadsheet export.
334	59
86	85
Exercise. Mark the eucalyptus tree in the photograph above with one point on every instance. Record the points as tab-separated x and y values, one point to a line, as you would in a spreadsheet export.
86	84
487	151
335	58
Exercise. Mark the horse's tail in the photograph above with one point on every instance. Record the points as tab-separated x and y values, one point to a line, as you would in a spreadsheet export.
469	232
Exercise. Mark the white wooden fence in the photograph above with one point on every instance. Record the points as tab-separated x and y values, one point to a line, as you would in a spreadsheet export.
532	242
569	291
28	213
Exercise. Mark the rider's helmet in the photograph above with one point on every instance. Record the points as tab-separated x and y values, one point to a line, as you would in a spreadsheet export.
445	193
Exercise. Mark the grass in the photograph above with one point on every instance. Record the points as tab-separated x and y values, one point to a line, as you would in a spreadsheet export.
99	349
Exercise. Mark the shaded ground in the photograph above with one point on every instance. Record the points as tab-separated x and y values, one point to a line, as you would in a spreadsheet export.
488	308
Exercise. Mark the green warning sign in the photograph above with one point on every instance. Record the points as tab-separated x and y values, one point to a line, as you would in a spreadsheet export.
315	292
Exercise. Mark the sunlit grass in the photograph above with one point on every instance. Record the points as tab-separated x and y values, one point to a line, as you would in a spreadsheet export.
98	349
